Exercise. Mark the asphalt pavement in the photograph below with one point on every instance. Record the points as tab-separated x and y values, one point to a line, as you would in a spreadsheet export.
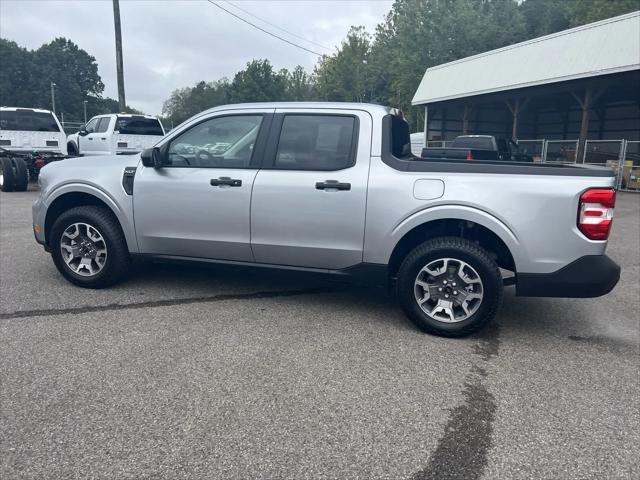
190	372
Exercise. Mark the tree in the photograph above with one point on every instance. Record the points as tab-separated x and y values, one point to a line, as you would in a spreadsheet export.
258	82
418	34
300	85
186	102
344	76
579	12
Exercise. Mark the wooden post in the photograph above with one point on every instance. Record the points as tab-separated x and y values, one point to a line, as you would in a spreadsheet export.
465	120
516	108
585	105
426	126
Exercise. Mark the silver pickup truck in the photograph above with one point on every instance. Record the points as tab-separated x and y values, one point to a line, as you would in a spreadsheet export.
333	188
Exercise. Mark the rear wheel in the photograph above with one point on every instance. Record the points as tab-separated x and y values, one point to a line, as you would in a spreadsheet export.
21	181
449	287
7	175
88	247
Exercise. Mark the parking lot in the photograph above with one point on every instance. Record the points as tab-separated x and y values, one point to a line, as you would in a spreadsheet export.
185	372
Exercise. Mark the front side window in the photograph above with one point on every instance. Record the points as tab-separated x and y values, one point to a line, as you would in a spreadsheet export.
91	126
316	142
103	125
28	120
222	142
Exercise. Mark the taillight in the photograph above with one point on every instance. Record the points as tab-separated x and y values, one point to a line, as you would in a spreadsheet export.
595	213
469	156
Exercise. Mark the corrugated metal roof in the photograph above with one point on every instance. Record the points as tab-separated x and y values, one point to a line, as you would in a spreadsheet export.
607	46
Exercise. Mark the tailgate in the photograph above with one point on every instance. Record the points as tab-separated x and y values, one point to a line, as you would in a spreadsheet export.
24	141
125	143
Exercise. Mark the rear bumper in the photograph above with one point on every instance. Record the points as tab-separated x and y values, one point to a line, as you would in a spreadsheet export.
589	276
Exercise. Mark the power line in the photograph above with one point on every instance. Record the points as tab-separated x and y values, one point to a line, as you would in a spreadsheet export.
276	26
263	30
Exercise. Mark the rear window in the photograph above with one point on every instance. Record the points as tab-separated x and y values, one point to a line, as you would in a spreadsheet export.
138	126
28	120
400	137
474	143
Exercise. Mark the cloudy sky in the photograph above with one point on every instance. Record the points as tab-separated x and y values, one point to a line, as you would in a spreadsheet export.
169	44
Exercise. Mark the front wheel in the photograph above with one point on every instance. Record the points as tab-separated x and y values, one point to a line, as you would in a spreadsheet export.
88	247
449	286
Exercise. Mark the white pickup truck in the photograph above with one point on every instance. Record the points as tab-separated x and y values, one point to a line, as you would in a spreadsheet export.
116	134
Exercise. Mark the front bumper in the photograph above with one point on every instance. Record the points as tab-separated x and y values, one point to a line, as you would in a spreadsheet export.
587	277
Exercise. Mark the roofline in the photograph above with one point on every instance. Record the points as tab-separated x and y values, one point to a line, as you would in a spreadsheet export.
366	107
562	33
547	81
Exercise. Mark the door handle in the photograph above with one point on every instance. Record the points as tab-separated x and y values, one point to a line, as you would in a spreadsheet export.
89	138
231	182
332	185
103	138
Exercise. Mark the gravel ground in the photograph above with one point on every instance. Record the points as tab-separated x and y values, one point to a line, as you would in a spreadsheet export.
226	373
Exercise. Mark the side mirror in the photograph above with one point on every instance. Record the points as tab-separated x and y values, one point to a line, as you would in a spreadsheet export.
83	133
153	158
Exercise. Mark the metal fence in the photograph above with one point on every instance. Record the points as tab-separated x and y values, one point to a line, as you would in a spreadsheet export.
533	148
561	151
71	127
622	156
629	174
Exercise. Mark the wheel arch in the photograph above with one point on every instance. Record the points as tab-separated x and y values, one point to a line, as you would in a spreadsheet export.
82	195
456	226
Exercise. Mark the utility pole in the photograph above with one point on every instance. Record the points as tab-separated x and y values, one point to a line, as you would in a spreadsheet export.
53	97
119	64
84	104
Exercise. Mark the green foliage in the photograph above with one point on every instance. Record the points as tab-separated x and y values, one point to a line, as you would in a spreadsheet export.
186	102
579	12
258	82
345	76
26	76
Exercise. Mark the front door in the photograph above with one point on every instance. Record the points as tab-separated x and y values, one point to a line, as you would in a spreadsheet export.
309	200
199	205
87	143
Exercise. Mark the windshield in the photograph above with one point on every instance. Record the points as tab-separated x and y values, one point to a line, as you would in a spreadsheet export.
138	126
28	120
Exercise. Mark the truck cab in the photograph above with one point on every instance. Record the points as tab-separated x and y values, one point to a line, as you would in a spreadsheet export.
116	134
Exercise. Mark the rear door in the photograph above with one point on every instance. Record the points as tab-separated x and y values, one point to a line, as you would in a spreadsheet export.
102	137
308	203
199	205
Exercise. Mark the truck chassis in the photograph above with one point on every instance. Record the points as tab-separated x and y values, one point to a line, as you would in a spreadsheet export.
18	168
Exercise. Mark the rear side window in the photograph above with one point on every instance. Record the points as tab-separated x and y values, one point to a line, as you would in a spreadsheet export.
27	120
316	142
138	126
103	125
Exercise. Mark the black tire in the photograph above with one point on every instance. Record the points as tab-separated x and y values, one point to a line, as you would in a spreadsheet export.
460	249
7	175
118	260
21	181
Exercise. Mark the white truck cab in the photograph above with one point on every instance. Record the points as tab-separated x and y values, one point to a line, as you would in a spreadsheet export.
116	134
